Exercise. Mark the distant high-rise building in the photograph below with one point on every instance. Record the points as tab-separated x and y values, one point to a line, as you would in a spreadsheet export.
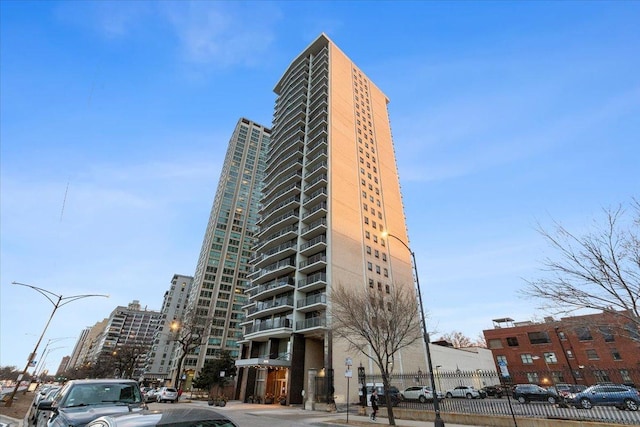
127	327
218	294
85	349
331	188
160	355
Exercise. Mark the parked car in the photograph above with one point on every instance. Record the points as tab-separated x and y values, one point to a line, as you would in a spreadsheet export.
493	391
81	401
393	394
421	393
166	394
34	415
525	393
149	395
167	417
463	391
618	395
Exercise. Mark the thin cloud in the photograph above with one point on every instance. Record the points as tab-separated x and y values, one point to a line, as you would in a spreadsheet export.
223	33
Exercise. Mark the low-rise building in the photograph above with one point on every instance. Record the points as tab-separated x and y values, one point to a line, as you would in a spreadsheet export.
601	347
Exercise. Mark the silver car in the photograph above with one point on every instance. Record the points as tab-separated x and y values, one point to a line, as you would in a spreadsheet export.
166	394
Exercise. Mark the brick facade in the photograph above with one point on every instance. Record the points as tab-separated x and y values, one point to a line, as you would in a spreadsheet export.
582	349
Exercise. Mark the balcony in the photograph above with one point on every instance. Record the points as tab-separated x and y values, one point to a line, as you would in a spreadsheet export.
320	195
278	237
313	282
269	289
308	325
313	263
278	269
271	307
313	303
280	327
314	245
315	212
289	190
286	249
314	229
278	209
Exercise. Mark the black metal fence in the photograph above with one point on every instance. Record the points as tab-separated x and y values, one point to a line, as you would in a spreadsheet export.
505	404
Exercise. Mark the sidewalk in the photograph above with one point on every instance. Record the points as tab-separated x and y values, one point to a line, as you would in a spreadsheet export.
363	420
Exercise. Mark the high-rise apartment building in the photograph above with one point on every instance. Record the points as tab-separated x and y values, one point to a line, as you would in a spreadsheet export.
218	296
174	304
131	327
331	188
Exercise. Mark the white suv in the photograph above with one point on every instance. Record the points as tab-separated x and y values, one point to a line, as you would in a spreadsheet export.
166	394
420	393
464	391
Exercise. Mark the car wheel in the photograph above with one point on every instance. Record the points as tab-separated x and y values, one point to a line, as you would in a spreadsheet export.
631	404
585	403
469	396
551	399
449	395
422	399
521	399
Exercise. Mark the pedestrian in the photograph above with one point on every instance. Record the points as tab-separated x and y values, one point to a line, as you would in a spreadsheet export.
374	404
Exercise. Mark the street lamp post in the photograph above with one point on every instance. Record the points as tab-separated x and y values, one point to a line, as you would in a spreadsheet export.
438	422
45	352
57	301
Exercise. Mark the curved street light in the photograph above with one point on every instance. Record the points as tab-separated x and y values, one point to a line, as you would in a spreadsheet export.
438	422
44	352
57	301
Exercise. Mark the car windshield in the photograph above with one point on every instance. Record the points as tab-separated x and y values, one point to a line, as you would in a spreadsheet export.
96	394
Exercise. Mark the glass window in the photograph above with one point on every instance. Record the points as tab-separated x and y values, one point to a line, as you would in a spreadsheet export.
512	341
541	337
526	358
607	333
495	343
592	354
584	334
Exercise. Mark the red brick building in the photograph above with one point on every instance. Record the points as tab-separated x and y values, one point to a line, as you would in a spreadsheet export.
579	350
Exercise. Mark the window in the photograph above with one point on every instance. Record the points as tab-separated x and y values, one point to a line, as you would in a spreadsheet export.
526	358
626	378
550	358
569	354
538	337
601	376
533	377
495	343
584	334
562	336
371	283
512	341
369	266
607	333
615	354
501	360
592	354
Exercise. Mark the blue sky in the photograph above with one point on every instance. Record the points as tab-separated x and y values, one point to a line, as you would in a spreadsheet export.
115	118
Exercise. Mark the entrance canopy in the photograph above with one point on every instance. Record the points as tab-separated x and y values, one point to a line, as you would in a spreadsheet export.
258	362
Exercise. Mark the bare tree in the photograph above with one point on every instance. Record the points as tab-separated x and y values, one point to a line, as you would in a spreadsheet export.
127	358
189	334
457	339
377	325
597	271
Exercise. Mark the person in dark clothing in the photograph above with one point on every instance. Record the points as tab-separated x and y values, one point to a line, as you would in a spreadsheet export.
374	404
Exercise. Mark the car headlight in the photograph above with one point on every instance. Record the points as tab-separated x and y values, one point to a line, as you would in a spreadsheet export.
99	423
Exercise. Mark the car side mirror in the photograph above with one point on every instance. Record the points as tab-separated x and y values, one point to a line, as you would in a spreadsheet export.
46	405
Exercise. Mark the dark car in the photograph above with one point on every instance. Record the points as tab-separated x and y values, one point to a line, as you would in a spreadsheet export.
393	394
184	417
493	391
618	395
525	393
81	401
